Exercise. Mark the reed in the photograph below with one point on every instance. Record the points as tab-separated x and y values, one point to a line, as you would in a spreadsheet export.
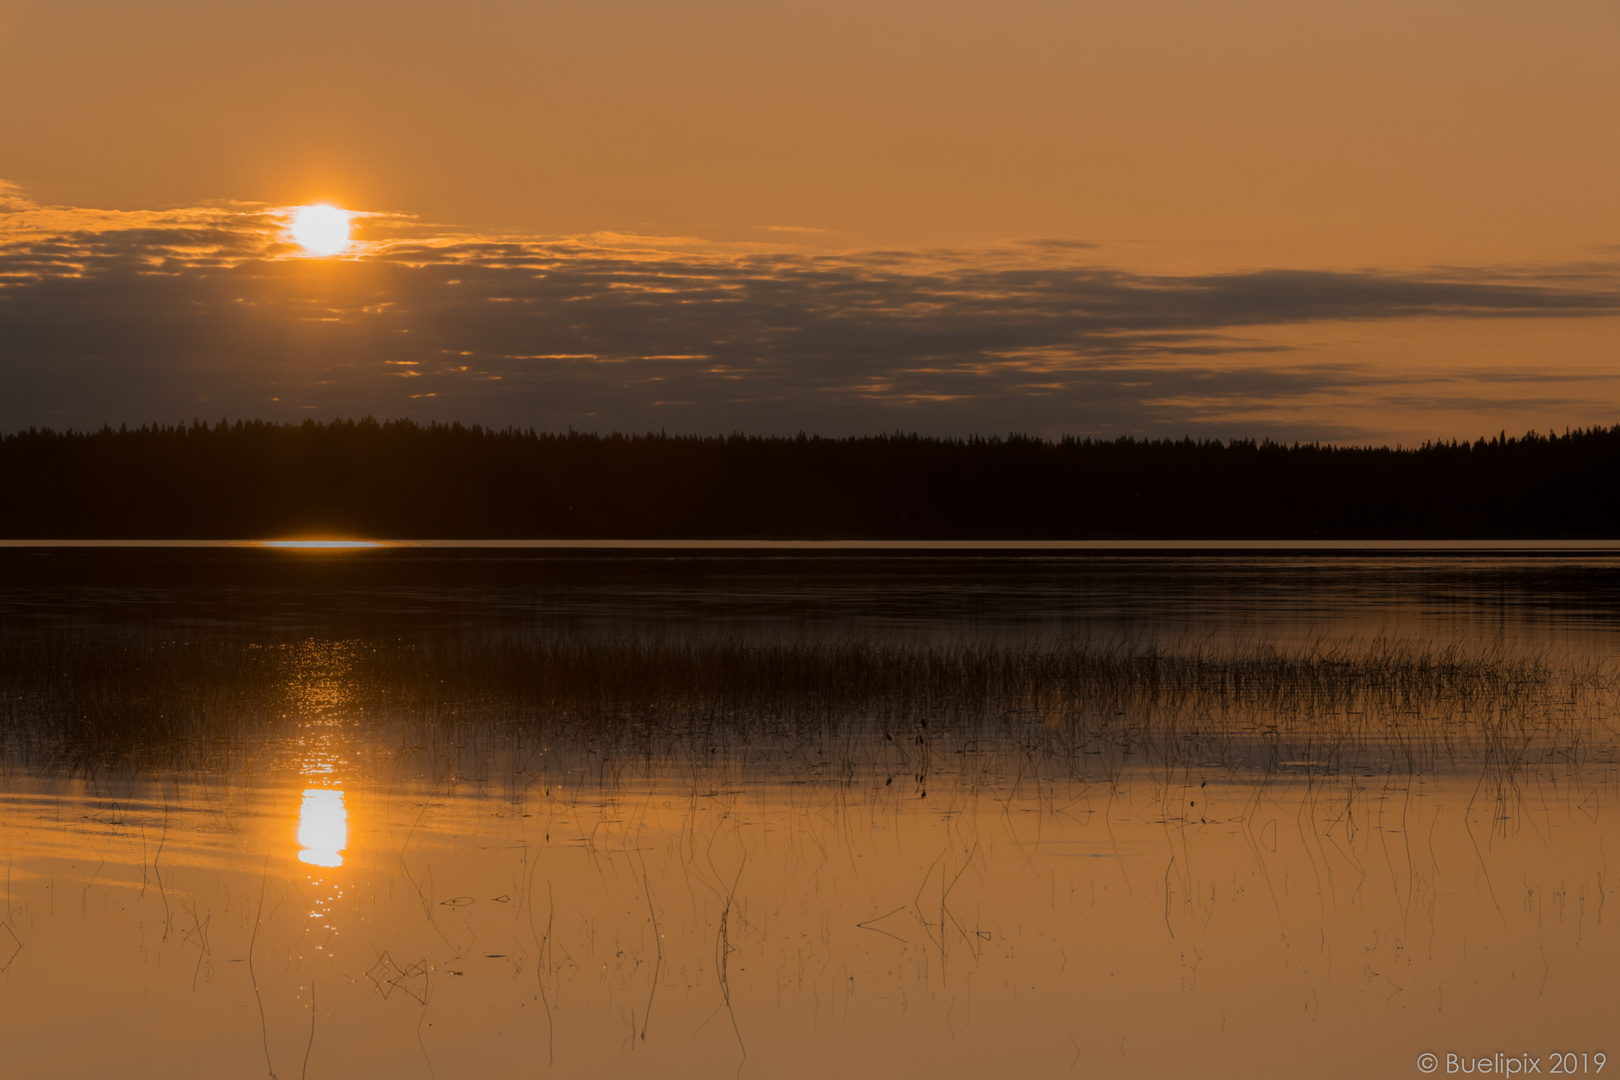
834	706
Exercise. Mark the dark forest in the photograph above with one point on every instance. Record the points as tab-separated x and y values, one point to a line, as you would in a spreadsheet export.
399	479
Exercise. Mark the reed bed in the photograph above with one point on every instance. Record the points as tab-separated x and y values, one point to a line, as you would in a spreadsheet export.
832	708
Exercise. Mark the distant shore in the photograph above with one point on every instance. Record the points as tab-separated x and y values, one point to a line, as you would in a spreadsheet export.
457	484
471	547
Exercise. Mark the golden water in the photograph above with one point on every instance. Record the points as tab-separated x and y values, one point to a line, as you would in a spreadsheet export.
486	870
713	923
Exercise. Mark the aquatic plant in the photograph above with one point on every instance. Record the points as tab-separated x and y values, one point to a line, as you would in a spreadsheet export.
836	706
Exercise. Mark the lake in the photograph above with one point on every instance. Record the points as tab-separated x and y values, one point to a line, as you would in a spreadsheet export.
795	812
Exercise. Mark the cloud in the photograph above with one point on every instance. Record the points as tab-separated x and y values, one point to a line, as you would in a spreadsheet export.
111	317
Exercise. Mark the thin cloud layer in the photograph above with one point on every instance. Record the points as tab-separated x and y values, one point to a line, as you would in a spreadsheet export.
109	318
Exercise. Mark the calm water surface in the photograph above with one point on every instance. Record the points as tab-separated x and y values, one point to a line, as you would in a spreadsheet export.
1502	598
340	878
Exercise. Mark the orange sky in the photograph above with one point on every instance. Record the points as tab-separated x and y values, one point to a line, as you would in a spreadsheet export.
1176	137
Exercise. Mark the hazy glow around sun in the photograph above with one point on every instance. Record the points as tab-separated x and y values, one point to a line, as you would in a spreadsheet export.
321	229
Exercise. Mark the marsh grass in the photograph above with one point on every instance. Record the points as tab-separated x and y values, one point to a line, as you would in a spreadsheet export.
836	708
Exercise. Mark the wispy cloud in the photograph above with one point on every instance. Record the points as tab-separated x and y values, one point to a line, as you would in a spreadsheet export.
112	317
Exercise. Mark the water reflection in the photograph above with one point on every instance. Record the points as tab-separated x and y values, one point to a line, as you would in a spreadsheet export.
322	683
753	924
626	855
323	828
393	593
321	545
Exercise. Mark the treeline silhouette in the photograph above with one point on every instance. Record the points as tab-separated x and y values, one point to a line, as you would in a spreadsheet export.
400	479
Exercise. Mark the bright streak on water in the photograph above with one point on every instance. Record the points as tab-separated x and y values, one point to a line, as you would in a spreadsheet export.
323	827
322	544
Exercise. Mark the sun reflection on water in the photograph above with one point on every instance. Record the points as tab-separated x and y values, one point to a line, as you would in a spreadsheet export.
321	545
323	827
322	690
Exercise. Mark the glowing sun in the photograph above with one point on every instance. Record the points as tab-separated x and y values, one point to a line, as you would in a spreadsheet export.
321	230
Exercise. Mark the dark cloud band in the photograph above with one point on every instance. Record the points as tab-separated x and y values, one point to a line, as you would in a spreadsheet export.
210	312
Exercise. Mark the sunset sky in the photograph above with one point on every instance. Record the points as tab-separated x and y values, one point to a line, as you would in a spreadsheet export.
1351	221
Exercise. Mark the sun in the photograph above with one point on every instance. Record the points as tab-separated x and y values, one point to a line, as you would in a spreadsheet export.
321	229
